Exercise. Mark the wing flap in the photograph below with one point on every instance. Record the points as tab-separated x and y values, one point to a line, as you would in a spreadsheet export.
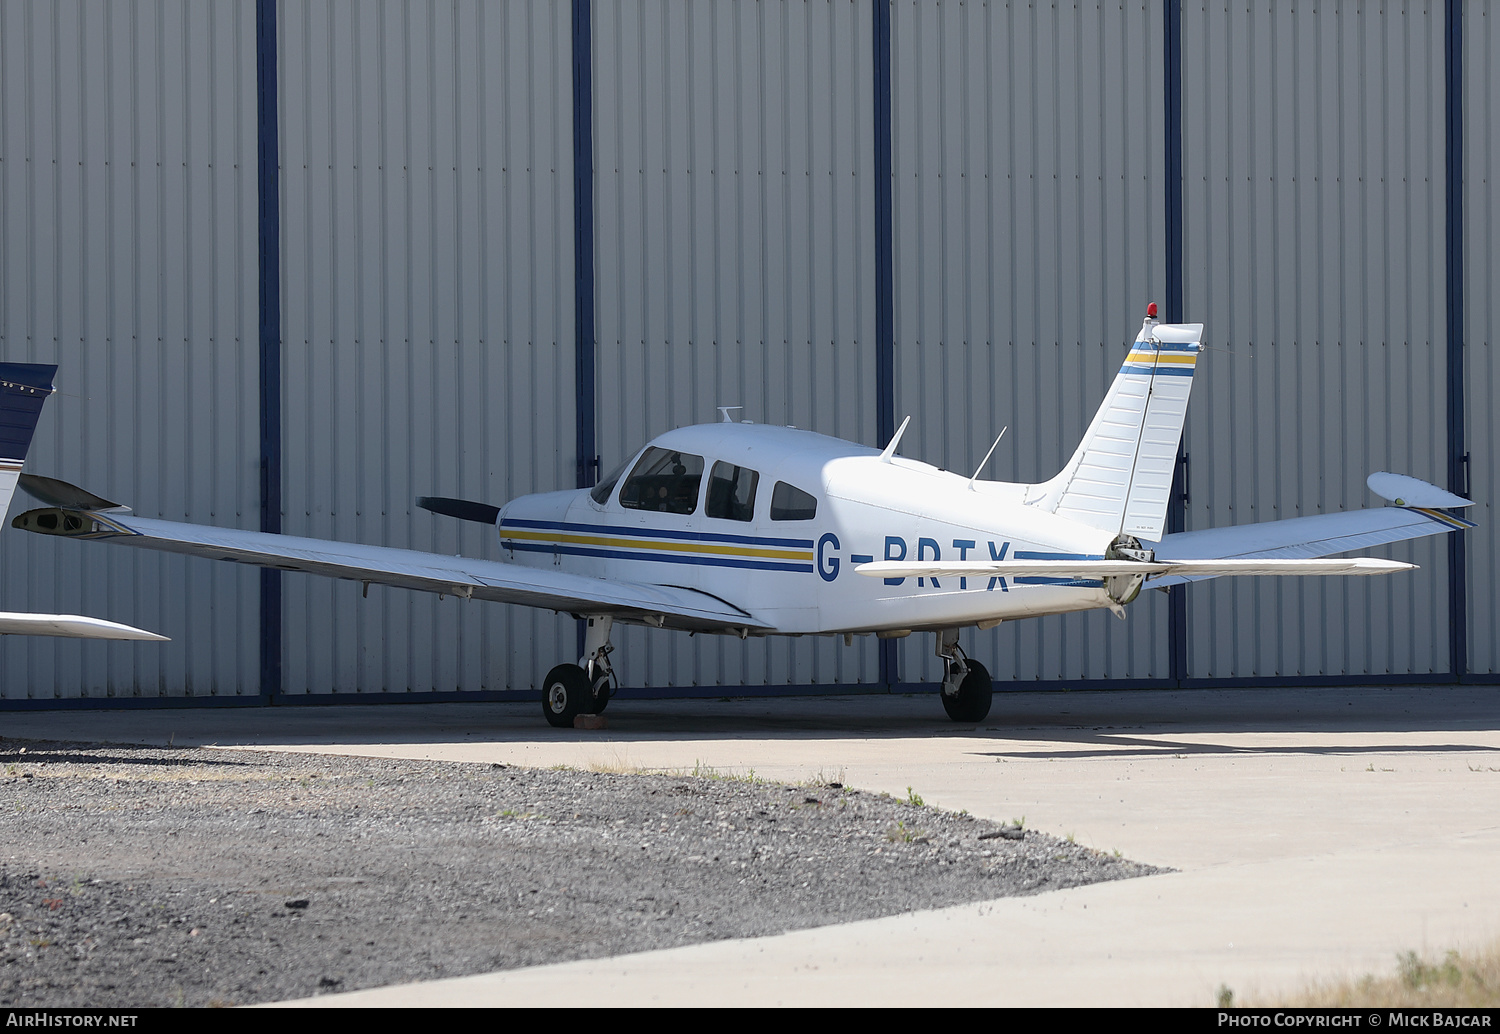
549	589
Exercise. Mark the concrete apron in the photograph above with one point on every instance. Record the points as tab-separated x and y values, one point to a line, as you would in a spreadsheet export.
1317	833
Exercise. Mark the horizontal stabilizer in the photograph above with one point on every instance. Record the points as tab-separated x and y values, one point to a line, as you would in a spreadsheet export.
72	626
463	509
1068	569
1318	535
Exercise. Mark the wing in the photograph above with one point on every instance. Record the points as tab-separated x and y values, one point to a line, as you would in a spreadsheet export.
71	626
657	605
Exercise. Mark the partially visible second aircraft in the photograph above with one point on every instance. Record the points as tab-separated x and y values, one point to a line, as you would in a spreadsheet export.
24	388
752	530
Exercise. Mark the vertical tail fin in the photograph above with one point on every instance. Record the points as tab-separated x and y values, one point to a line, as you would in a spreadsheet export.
1120	479
23	389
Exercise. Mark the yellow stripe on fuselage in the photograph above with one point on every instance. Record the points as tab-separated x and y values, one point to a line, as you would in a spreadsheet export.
658	545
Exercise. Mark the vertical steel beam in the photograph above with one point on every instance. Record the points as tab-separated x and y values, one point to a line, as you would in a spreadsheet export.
268	188
885	282
583	249
1177	630
1453	101
583	237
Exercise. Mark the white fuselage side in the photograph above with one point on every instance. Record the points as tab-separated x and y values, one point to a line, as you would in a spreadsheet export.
798	575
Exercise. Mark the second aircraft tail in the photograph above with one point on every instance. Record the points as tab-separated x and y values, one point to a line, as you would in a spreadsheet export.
23	389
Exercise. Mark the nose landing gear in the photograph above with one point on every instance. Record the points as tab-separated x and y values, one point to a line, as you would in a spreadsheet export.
570	690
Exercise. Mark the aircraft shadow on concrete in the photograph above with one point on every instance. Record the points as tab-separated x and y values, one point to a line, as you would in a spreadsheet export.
1120	723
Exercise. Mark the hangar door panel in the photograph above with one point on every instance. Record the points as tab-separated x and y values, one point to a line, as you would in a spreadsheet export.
1482	327
428	312
128	258
1313	196
1028	207
734	242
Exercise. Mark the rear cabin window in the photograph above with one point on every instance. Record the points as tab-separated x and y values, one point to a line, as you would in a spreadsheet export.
731	492
664	480
792	504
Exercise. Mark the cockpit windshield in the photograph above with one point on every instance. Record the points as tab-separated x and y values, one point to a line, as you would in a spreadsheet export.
664	480
601	491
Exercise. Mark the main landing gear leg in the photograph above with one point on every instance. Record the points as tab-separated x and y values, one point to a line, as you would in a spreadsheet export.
967	688
583	688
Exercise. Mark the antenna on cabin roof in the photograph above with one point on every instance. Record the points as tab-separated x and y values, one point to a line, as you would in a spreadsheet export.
890	450
987	457
724	412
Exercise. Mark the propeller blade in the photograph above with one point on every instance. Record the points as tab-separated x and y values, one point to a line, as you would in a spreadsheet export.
463	509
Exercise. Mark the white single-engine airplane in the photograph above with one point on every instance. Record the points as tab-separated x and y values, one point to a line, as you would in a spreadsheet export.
24	388
753	530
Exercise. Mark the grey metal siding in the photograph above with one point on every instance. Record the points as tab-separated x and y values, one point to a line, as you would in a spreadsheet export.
427	264
1481	25
1028	159
428	314
733	179
1313	197
128	257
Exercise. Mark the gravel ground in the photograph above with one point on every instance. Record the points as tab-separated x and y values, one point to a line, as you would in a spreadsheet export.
138	876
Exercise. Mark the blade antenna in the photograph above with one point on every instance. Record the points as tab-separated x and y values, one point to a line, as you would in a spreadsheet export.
987	457
890	450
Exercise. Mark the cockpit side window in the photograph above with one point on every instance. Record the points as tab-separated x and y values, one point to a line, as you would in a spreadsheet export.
792	504
731	492
664	480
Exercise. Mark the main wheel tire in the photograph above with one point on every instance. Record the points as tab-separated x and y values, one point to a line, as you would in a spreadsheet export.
601	695
566	693
972	701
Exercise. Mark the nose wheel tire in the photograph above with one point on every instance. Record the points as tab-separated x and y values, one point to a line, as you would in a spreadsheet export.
566	694
972	701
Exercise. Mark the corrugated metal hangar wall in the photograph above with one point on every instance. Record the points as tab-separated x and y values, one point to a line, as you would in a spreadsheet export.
302	261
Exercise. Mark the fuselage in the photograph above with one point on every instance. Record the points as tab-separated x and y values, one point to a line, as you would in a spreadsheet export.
774	520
